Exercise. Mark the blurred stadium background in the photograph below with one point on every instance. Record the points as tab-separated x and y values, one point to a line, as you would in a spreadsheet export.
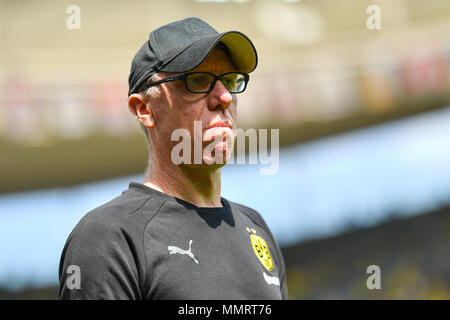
364	171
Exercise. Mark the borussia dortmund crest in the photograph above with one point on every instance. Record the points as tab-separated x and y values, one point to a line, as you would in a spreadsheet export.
261	250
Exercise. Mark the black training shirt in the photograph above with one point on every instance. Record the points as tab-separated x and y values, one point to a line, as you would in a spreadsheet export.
146	244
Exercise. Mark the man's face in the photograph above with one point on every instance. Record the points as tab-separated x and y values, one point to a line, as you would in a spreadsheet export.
177	108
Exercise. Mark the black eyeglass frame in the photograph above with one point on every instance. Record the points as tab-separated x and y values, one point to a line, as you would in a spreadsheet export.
211	87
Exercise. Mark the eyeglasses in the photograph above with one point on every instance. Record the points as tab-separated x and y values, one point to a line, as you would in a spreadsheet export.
204	82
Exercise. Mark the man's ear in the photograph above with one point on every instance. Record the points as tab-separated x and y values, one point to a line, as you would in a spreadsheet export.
138	107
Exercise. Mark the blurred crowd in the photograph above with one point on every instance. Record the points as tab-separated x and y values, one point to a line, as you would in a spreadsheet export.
33	113
317	62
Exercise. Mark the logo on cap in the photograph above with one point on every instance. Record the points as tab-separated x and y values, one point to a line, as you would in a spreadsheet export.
193	27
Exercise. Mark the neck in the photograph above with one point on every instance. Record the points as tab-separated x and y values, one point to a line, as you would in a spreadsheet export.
199	185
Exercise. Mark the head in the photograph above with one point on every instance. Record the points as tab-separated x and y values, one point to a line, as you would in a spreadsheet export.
167	107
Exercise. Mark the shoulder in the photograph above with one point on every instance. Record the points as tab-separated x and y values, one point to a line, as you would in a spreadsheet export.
107	246
125	211
120	221
252	214
256	218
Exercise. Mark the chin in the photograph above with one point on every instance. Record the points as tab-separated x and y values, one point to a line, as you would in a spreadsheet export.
219	156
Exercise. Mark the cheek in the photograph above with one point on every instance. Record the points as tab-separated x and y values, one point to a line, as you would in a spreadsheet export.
190	105
172	115
182	113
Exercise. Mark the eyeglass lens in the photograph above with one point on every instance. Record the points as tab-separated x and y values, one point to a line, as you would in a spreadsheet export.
201	82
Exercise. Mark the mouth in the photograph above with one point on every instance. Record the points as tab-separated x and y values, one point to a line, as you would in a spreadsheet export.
220	125
218	129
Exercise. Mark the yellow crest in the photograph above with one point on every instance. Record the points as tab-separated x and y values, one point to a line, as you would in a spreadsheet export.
262	251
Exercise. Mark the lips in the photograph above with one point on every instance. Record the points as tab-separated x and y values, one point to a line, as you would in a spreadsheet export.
218	129
220	125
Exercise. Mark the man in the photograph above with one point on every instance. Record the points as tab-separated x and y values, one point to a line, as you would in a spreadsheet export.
173	236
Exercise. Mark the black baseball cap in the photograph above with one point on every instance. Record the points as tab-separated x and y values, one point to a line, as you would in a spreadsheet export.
182	45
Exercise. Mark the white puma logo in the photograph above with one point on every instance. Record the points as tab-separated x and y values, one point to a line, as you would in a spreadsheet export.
173	250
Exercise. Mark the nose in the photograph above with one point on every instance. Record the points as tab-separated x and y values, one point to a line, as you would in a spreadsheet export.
221	97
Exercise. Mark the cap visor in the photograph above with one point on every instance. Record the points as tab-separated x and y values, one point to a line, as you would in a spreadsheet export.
242	51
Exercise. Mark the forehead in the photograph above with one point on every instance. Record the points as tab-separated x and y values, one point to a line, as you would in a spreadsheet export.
218	61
